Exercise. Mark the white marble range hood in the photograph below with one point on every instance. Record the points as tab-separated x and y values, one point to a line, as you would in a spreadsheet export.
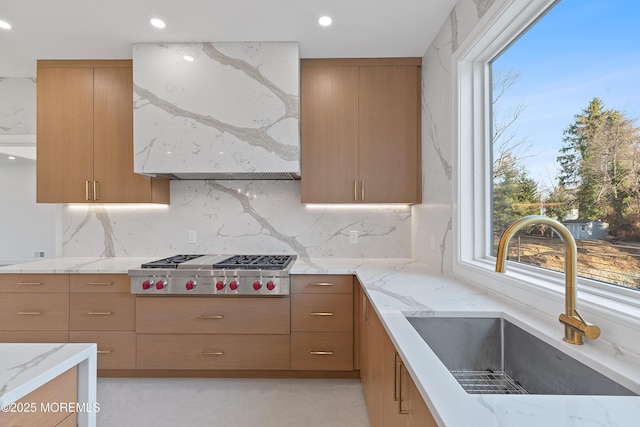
231	112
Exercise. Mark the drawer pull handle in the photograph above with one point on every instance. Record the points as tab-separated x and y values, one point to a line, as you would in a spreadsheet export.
321	353
104	351
29	313
321	284
100	283
212	353
30	283
321	313
100	313
211	316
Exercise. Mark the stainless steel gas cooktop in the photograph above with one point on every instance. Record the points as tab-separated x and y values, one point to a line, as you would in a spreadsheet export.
223	275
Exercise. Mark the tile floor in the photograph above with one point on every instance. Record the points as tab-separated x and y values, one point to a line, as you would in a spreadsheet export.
221	402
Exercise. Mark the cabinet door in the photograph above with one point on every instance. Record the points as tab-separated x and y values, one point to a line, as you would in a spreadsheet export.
64	146
113	139
418	414
329	132
389	145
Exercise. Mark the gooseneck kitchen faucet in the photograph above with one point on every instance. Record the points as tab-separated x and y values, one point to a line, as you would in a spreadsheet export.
575	326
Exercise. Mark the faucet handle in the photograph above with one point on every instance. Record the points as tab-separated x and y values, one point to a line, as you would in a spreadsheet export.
578	323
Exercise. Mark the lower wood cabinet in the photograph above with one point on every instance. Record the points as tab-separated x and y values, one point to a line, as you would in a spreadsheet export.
34	312
61	389
324	351
201	351
116	349
102	310
391	396
322	323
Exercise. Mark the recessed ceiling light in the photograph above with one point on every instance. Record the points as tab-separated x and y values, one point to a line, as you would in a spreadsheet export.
325	21
11	158
188	58
158	23
5	25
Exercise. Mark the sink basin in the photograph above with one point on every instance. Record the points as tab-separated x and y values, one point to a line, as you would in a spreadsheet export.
494	356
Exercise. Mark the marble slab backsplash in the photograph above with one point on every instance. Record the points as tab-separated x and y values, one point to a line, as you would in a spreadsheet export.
235	217
17	106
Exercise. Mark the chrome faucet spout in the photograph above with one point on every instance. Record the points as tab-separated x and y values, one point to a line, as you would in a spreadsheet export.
574	325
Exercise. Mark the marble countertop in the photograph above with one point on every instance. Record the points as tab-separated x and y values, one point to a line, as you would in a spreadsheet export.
24	367
399	287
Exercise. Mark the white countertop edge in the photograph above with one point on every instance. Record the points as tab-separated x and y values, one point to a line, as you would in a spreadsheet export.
25	366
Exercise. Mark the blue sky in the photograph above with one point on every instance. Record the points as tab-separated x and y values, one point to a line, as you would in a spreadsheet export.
579	50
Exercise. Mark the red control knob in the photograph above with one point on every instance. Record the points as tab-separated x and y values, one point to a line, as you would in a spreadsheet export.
233	285
257	285
271	285
146	284
190	285
161	284
219	285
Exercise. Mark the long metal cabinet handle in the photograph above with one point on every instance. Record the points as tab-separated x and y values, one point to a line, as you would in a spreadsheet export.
355	190
86	190
321	284
362	191
104	351
321	313
30	283
321	353
211	316
95	190
30	313
100	283
401	410
100	313
212	353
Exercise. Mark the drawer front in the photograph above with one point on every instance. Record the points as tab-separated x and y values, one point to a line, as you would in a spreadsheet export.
102	312
116	350
34	283
100	283
321	284
213	315
34	336
320	351
62	388
20	312
322	312
188	351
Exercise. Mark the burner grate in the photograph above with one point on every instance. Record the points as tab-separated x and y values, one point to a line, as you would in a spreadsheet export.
170	262
488	382
255	262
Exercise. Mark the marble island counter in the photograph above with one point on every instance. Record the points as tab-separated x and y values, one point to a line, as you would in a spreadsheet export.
44	383
400	287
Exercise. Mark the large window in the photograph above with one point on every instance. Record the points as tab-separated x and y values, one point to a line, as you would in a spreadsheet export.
564	104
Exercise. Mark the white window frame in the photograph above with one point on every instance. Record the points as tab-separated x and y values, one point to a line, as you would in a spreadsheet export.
472	180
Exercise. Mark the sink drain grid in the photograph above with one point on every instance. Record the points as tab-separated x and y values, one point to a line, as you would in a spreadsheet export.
488	382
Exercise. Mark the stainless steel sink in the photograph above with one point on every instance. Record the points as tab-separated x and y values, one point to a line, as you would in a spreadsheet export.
494	356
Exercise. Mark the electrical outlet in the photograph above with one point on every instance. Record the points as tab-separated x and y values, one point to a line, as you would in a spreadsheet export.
432	243
38	254
353	237
191	236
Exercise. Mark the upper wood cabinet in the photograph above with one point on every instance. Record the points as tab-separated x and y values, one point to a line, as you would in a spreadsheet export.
85	135
360	130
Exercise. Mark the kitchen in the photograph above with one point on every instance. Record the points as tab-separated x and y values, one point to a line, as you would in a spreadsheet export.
267	217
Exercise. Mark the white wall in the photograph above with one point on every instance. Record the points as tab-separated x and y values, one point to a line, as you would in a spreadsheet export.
25	227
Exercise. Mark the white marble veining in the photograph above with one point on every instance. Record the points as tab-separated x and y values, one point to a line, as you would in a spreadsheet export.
17	106
236	217
233	109
25	367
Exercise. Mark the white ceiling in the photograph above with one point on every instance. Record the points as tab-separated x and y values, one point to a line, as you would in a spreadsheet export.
105	29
